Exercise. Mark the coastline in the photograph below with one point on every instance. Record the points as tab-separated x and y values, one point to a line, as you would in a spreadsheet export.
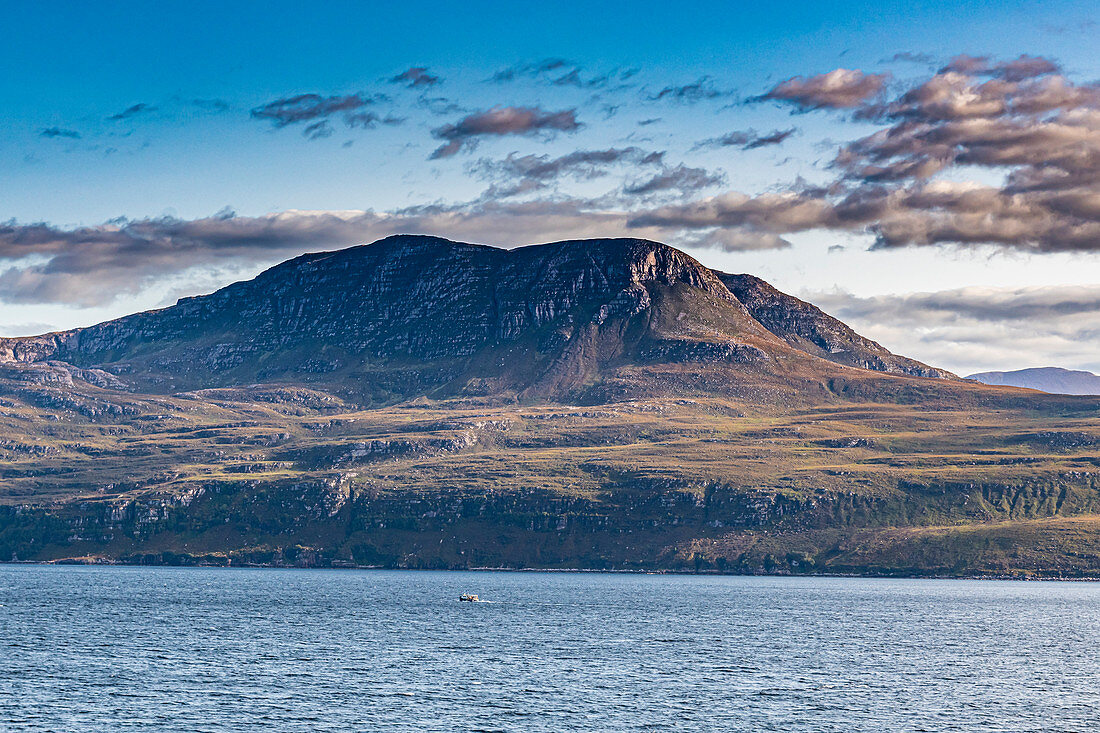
102	562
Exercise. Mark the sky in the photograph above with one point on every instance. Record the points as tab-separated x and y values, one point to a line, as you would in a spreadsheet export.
927	171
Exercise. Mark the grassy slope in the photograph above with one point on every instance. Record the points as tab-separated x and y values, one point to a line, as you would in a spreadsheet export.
970	481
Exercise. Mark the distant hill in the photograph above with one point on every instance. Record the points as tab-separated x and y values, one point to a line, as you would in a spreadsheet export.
1054	380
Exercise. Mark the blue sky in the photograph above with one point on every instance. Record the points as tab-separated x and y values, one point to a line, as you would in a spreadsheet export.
154	112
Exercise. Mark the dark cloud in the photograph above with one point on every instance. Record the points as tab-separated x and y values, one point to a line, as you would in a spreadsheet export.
702	89
59	132
649	121
499	121
747	139
308	107
679	178
564	73
363	120
416	77
318	130
838	89
1031	134
316	112
133	111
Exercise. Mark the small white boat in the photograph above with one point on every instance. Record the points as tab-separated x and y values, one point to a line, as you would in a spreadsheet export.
471	597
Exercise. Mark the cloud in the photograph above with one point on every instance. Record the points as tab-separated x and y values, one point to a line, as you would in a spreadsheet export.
30	328
976	329
732	240
308	107
318	130
1015	70
697	91
679	178
929	214
439	105
838	89
58	132
416	77
1030	304
564	73
93	266
746	139
363	120
912	57
499	121
1027	133
906	184
316	112
521	174
534	70
133	111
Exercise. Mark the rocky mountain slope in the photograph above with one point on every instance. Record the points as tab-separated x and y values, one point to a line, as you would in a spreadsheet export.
413	315
605	403
808	328
1054	380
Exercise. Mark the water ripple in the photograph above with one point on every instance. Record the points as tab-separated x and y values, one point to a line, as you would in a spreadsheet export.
194	650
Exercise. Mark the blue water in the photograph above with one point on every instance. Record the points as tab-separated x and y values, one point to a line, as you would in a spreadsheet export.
177	649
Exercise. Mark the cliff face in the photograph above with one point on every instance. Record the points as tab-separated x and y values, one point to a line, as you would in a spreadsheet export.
411	314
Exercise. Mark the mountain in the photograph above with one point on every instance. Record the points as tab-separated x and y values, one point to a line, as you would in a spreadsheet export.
416	315
413	315
607	403
1045	379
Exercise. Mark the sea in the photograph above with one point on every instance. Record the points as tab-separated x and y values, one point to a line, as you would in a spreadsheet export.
104	648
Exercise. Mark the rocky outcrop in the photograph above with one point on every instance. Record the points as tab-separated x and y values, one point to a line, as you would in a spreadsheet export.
808	328
59	374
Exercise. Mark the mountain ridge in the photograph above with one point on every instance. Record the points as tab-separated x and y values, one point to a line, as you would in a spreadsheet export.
1053	380
430	299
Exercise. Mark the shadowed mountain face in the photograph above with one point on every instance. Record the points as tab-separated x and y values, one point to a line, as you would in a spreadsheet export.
1045	379
413	315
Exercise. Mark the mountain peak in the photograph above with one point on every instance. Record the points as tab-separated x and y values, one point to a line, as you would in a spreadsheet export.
414	314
